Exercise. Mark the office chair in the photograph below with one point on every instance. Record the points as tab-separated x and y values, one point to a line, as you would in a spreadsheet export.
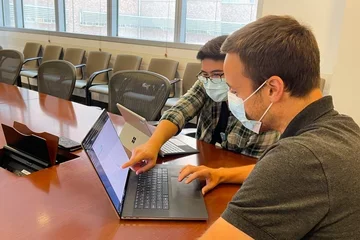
57	78
11	62
165	67
96	72
76	57
51	52
31	51
122	63
142	92
188	80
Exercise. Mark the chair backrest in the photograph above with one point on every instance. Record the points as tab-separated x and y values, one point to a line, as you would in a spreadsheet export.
189	78
11	62
143	92
97	61
52	52
31	50
76	57
1	48
57	78
126	62
165	67
322	84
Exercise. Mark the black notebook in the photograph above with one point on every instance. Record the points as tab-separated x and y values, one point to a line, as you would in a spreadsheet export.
68	144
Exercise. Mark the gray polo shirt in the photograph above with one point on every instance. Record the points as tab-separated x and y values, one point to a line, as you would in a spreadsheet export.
307	185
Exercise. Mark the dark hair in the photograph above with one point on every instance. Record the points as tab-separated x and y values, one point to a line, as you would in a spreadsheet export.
278	46
211	49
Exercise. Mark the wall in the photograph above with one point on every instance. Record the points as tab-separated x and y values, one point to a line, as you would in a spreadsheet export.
346	84
324	17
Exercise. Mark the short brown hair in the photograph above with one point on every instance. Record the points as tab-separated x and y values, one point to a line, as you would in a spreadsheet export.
278	46
211	49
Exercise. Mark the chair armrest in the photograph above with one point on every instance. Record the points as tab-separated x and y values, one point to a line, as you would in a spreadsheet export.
31	59
93	76
80	65
175	80
177	86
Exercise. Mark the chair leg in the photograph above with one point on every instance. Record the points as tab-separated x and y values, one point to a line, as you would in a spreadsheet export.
18	81
29	82
88	97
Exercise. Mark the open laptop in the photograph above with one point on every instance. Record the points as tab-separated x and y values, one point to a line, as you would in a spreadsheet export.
136	131
155	194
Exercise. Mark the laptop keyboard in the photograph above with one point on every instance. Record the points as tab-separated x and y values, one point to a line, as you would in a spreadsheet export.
170	147
152	190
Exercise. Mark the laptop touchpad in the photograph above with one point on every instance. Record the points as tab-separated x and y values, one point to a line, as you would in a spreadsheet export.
183	190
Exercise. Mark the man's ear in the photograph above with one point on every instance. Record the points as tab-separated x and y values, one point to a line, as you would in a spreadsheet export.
276	88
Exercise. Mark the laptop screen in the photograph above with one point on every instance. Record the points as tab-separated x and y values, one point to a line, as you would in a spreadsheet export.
107	154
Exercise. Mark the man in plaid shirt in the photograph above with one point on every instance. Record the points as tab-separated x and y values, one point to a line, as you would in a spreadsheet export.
216	125
235	137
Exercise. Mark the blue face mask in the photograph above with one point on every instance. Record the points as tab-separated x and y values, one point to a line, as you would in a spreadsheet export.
216	89
236	106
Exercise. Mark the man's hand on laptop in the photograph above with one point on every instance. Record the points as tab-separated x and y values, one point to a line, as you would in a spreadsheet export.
211	175
143	158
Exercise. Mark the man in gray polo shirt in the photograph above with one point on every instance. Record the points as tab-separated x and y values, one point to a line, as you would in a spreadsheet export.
307	185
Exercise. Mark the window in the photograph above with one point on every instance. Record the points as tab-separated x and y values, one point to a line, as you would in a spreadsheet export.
206	19
86	16
9	16
185	21
93	19
39	14
147	19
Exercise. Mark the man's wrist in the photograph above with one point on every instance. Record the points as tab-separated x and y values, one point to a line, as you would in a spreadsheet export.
221	172
155	143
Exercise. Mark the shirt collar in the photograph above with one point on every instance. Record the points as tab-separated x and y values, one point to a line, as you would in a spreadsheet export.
308	115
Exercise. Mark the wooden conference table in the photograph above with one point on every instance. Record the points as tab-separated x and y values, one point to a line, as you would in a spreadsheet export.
68	201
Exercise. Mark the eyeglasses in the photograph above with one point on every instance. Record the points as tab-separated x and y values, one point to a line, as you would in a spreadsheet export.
215	78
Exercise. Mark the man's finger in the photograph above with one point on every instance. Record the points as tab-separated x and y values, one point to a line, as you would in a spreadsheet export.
135	158
138	165
186	171
208	187
182	169
145	168
197	174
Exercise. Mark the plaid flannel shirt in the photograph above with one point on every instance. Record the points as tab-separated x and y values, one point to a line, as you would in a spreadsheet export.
236	137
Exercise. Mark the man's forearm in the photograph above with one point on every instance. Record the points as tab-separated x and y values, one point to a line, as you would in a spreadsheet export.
236	174
163	132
